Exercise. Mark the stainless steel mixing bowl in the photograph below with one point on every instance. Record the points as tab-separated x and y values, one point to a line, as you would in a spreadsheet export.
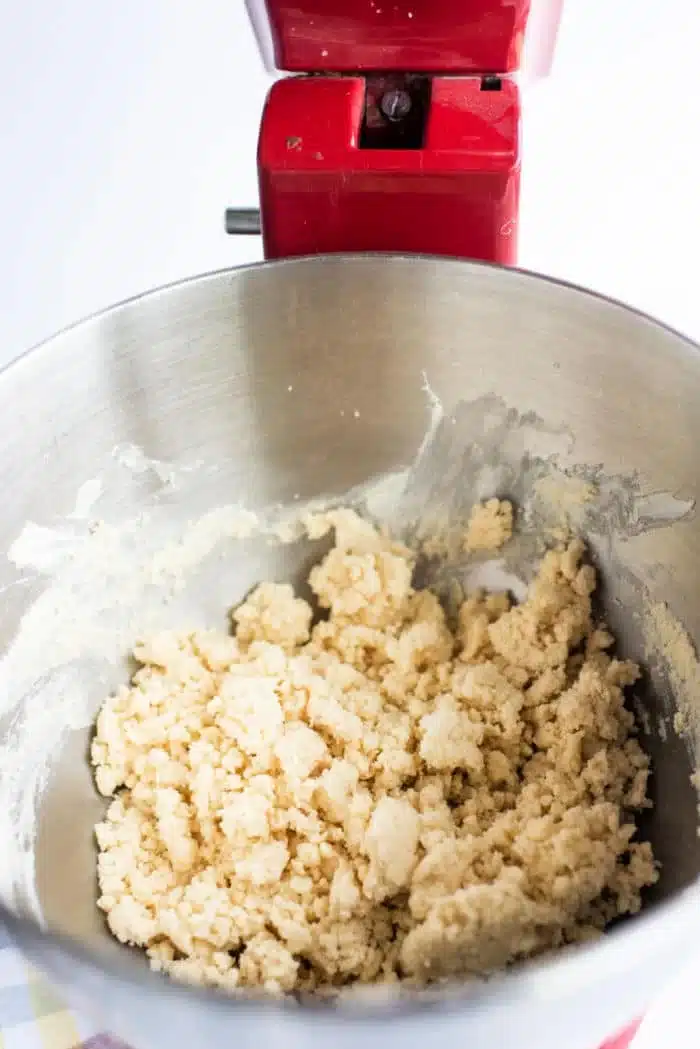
275	384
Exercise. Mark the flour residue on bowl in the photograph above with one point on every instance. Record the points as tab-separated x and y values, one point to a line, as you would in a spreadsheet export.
671	653
98	586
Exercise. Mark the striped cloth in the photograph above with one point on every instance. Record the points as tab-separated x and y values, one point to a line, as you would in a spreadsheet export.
32	1015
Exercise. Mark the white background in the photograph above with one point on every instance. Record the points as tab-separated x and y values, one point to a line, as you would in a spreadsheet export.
127	127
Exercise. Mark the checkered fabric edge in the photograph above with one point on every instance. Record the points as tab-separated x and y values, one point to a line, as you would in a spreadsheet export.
32	1015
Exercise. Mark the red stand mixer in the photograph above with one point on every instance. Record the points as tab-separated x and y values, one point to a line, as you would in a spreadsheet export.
393	127
396	128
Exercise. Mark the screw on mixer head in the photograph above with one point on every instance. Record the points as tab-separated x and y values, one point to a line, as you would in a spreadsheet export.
396	104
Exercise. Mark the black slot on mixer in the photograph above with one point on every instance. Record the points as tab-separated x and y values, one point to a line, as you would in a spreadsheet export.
396	111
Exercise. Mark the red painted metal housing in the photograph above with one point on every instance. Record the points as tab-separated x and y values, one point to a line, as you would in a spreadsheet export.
458	195
449	36
322	190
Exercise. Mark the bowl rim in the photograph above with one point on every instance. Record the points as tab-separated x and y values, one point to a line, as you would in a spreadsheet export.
664	929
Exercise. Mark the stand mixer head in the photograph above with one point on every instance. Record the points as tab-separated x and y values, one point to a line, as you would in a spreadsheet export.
403	134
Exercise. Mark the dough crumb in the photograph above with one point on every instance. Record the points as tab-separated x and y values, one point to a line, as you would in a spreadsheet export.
490	525
378	796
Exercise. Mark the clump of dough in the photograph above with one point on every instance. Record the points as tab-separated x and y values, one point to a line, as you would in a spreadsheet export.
380	796
490	525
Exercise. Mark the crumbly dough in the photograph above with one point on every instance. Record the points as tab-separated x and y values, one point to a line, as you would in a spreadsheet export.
490	525
381	796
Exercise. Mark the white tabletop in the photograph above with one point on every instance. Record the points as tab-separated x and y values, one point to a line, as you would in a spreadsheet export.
127	128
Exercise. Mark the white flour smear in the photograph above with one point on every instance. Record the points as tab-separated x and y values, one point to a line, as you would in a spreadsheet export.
102	587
